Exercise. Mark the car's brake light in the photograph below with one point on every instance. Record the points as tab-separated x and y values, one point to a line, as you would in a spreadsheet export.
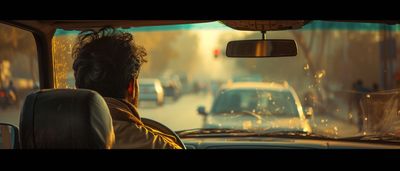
2	94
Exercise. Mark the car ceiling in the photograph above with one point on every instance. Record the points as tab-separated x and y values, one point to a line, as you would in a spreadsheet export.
250	25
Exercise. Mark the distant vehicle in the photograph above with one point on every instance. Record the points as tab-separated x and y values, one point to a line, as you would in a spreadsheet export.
185	85
257	106
151	90
172	88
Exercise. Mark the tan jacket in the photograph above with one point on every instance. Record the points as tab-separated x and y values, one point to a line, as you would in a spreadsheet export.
131	133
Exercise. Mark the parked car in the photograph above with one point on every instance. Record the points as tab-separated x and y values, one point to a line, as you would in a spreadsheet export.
172	88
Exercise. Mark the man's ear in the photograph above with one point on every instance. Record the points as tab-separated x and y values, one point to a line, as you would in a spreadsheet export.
131	88
133	92
136	91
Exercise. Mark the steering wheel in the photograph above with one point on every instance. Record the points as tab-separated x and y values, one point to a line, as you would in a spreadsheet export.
161	127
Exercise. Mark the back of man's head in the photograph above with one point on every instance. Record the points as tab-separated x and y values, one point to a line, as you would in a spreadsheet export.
106	61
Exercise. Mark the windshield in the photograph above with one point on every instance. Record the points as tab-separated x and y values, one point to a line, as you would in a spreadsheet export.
343	81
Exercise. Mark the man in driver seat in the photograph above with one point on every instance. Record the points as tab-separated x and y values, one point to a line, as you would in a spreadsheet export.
108	61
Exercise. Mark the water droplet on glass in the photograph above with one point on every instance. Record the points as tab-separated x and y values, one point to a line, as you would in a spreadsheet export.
306	67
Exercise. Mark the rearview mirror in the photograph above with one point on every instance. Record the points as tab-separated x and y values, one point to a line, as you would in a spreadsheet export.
8	136
262	48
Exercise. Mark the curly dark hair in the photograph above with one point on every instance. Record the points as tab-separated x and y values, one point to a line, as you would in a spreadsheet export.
106	61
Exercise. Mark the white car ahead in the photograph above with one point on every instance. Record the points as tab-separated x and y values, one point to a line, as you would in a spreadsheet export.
257	106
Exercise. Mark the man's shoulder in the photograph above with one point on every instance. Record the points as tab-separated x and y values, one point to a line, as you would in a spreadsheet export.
120	111
110	100
116	104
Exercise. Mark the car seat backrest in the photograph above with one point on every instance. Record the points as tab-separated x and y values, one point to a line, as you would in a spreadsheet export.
65	119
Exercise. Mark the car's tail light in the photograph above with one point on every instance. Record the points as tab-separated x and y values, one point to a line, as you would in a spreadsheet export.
2	94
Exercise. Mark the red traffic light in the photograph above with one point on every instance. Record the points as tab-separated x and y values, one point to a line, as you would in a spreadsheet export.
216	52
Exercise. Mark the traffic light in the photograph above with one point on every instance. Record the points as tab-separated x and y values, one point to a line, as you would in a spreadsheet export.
216	53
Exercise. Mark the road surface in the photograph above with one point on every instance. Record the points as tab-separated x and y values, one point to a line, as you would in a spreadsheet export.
178	115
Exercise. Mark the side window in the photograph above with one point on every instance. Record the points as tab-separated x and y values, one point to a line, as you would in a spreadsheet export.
19	74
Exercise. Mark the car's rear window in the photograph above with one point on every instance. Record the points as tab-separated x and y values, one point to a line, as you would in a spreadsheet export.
264	102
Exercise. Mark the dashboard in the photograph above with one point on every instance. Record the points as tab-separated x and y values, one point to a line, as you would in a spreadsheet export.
277	143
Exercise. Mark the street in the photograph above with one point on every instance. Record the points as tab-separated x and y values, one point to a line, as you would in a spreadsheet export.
178	115
182	114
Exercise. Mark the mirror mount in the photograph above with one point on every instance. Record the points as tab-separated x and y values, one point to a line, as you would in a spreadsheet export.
263	35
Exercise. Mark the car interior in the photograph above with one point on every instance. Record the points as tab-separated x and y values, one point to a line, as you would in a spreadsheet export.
52	118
